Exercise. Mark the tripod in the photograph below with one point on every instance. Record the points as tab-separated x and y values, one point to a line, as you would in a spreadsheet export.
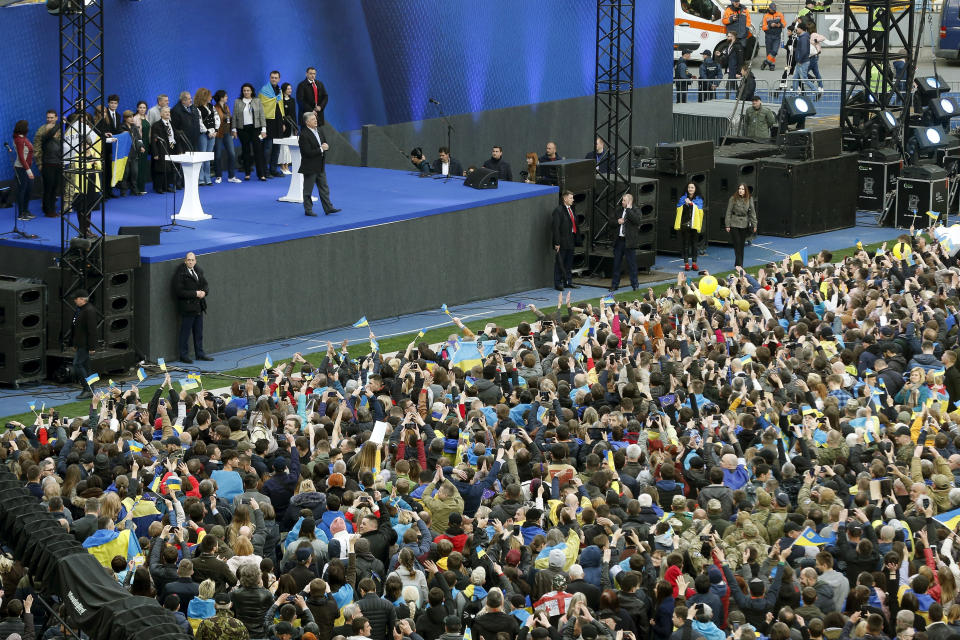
166	182
16	232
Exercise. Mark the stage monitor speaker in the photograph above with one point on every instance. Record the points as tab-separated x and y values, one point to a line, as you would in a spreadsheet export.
149	235
646	259
569	175
727	175
119	292
920	189
120	252
792	208
118	331
809	144
679	158
481	178
22	304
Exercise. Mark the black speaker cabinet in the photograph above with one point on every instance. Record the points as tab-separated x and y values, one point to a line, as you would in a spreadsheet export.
877	171
121	252
727	175
919	190
22	330
481	178
118	331
803	197
645	191
119	292
569	175
149	236
679	158
583	210
809	144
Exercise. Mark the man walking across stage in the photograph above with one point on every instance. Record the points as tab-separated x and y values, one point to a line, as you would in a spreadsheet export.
313	150
84	336
564	230
311	96
190	288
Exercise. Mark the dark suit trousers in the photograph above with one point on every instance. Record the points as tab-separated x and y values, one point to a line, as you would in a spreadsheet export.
738	238
188	325
320	180
81	364
51	174
252	150
620	252
563	266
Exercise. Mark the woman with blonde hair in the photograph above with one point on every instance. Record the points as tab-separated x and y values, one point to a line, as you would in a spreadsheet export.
201	607
243	555
209	124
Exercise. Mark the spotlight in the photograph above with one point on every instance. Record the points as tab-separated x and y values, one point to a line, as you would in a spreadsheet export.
56	7
929	138
943	108
887	121
930	88
798	108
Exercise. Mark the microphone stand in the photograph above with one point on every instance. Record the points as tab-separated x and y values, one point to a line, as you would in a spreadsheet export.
166	160
16	217
449	132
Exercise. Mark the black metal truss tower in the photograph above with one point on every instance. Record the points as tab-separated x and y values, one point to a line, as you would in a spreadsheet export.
878	39
81	91
612	114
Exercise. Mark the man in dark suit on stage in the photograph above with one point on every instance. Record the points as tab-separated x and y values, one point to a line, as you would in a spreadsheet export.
628	239
564	236
311	96
190	288
84	338
313	149
184	117
163	143
446	165
109	126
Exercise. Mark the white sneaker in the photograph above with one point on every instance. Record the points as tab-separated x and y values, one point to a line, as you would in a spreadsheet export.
237	180
286	172
218	180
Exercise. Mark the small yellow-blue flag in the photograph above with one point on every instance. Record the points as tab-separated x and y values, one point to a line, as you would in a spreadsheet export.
421	333
362	322
162	364
141	374
188	384
948	519
92	378
443	308
268	362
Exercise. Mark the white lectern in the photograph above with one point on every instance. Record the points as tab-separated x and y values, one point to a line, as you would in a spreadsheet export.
190	208
295	190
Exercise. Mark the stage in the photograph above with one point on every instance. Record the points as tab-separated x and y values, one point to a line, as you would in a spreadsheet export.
401	244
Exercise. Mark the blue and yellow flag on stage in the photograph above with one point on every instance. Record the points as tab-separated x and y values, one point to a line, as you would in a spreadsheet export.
93	378
271	99
104	545
579	336
467	356
362	322
801	255
121	151
948	519
809	538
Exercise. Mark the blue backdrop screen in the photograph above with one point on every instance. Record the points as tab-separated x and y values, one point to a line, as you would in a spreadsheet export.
380	60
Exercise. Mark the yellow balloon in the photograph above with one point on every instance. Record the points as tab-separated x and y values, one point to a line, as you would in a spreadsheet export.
743	305
708	284
723	292
901	250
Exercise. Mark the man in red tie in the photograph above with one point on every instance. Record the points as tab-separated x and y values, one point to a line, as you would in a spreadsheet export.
311	96
564	237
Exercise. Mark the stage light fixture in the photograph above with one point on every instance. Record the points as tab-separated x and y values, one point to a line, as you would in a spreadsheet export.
929	138
930	87
797	108
56	7
887	121
943	107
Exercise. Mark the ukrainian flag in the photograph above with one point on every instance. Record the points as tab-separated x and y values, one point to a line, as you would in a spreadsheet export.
162	364
144	513
374	345
362	322
141	374
135	446
421	333
467	356
104	545
92	378
188	384
486	347
579	337
267	362
121	152
801	255
948	519
809	538
443	308
607	300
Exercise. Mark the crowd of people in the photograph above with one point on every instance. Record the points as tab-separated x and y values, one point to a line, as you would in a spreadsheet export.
770	456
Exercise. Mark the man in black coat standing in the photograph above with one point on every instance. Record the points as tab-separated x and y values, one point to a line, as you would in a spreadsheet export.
84	338
190	288
564	226
313	149
184	117
311	96
628	239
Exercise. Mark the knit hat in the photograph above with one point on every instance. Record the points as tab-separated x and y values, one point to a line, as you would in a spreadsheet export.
783	500
557	559
714	506
513	557
645	500
338	525
763	498
716	576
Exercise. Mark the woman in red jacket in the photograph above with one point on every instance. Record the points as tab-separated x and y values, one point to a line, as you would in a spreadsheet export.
23	166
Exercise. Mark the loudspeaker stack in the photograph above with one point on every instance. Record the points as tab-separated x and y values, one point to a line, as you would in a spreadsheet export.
22	330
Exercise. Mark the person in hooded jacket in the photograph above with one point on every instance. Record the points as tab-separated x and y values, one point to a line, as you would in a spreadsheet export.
307	497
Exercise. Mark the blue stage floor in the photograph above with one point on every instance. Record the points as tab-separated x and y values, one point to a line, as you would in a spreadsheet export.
248	214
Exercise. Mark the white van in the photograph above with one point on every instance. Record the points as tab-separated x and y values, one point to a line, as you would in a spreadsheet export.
697	26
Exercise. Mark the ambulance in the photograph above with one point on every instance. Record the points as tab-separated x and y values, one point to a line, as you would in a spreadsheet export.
697	26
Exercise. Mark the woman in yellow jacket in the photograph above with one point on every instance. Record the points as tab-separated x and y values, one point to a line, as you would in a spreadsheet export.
689	223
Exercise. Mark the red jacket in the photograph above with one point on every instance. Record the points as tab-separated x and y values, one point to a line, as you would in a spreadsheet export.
24	151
